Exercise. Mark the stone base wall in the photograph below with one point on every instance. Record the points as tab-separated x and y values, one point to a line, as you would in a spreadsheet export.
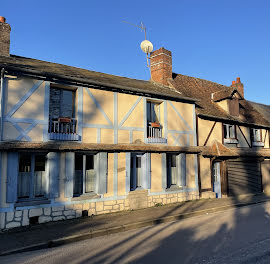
20	218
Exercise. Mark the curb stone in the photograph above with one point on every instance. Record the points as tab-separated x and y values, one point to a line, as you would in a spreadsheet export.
126	227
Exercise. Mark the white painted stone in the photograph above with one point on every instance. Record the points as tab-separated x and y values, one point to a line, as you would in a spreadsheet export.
78	213
35	212
13	224
25	221
44	219
18	213
58	218
47	211
69	212
18	219
57	213
58	208
10	216
70	216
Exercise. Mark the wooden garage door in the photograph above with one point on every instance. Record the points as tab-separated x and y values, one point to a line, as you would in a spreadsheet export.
244	177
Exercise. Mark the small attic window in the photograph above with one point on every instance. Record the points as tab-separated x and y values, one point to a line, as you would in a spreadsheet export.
234	106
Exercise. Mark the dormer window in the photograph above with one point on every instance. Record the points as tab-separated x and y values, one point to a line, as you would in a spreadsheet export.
234	106
229	133
256	137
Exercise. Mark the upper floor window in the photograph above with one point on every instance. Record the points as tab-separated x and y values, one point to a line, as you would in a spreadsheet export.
153	112
62	103
154	127
32	177
229	133
256	135
62	122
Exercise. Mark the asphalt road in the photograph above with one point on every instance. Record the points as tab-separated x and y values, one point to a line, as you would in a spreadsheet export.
234	236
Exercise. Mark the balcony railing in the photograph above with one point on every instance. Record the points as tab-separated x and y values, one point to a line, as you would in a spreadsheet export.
154	134
63	129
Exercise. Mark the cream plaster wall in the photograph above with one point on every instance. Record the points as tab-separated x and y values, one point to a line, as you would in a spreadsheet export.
156	172
205	172
110	190
121	171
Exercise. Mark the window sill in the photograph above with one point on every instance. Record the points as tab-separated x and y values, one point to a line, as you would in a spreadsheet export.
230	140
31	203
85	197
174	188
257	144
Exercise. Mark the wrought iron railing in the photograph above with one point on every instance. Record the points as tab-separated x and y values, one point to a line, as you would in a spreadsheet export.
154	134
63	129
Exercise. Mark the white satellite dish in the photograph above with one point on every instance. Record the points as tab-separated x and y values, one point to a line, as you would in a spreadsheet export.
146	46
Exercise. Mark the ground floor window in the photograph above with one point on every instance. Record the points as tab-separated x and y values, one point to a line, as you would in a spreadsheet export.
32	176
136	172
176	170
85	176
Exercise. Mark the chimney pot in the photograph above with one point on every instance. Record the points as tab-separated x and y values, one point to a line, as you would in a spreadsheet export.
238	80
233	82
2	19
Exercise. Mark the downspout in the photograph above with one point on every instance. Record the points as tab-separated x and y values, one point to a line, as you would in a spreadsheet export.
1	102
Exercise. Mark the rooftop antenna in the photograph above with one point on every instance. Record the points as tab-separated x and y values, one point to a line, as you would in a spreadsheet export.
146	45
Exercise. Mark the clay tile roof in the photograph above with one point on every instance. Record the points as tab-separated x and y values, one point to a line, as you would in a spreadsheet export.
68	73
262	108
219	150
206	107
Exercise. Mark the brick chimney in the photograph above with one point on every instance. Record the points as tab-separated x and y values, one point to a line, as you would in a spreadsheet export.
239	86
161	66
4	37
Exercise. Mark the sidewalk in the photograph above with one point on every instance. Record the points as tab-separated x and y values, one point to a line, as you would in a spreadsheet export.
58	233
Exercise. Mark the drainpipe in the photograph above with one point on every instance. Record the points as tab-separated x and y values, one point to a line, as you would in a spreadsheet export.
1	102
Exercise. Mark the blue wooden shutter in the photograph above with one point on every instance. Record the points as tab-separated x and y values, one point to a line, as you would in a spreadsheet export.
164	170
69	171
128	168
148	170
103	172
54	170
12	176
181	169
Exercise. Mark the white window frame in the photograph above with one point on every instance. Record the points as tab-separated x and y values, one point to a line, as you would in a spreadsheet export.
230	137
255	142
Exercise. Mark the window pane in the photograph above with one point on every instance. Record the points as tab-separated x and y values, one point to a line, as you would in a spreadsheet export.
138	171
24	176
89	162
78	162
173	157
231	131
25	163
67	103
40	162
89	174
55	99
78	182
225	131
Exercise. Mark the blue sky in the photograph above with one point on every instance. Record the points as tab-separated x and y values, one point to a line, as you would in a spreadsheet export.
216	40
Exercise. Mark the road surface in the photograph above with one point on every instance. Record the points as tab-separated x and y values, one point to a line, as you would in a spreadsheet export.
240	235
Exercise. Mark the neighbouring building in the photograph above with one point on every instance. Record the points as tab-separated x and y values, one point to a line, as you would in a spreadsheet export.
76	142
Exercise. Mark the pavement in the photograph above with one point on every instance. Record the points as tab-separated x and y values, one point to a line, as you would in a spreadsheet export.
54	234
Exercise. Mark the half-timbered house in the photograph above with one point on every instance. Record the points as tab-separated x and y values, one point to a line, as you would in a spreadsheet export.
76	142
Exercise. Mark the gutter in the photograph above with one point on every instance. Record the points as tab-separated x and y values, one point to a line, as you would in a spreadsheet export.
1	102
